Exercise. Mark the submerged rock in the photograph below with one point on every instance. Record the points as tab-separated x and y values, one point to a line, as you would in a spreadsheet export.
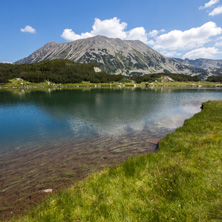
47	191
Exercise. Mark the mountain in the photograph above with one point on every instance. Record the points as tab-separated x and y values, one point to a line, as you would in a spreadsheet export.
208	64
114	56
211	67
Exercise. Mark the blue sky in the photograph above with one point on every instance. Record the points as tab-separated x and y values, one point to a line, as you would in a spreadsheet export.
184	29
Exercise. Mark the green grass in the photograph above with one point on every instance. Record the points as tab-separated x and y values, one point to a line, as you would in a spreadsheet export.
188	84
20	83
181	182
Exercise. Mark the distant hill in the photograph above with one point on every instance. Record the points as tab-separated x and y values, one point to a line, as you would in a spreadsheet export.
114	56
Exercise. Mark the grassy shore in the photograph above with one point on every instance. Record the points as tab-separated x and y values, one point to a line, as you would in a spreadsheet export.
19	83
181	182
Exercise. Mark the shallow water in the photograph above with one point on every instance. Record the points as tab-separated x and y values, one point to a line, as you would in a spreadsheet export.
50	138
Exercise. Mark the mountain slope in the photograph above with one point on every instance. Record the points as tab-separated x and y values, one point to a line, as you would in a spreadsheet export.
114	56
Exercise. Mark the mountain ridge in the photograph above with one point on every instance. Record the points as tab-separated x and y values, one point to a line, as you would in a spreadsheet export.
114	56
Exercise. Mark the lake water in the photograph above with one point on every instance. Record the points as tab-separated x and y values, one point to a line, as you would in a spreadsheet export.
50	138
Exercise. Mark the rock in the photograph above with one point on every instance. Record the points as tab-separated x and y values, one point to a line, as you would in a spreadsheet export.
97	69
47	191
153	140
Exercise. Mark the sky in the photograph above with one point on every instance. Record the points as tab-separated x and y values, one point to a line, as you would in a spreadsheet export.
176	28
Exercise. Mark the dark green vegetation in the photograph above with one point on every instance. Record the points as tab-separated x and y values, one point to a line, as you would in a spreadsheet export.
57	71
175	77
181	182
214	79
65	71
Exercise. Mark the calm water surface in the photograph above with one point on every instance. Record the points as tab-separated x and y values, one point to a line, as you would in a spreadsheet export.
50	138
35	117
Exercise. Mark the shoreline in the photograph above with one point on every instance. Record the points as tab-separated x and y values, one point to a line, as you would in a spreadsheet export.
181	181
18	195
20	84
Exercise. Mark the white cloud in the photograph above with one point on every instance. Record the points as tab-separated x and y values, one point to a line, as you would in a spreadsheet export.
112	28
218	44
29	29
172	44
138	33
69	35
209	4
210	52
7	62
216	11
151	42
171	53
153	33
189	39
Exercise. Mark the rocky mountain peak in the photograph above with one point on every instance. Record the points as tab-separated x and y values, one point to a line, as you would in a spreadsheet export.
113	55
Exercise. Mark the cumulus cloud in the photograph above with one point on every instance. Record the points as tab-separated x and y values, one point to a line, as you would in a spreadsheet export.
138	33
209	4
29	29
172	44
189	39
210	52
112	28
216	11
69	35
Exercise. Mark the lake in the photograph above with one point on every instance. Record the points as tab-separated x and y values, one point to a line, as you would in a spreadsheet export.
50	138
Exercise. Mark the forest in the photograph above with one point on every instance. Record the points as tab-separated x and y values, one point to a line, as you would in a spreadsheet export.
66	71
57	71
214	79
